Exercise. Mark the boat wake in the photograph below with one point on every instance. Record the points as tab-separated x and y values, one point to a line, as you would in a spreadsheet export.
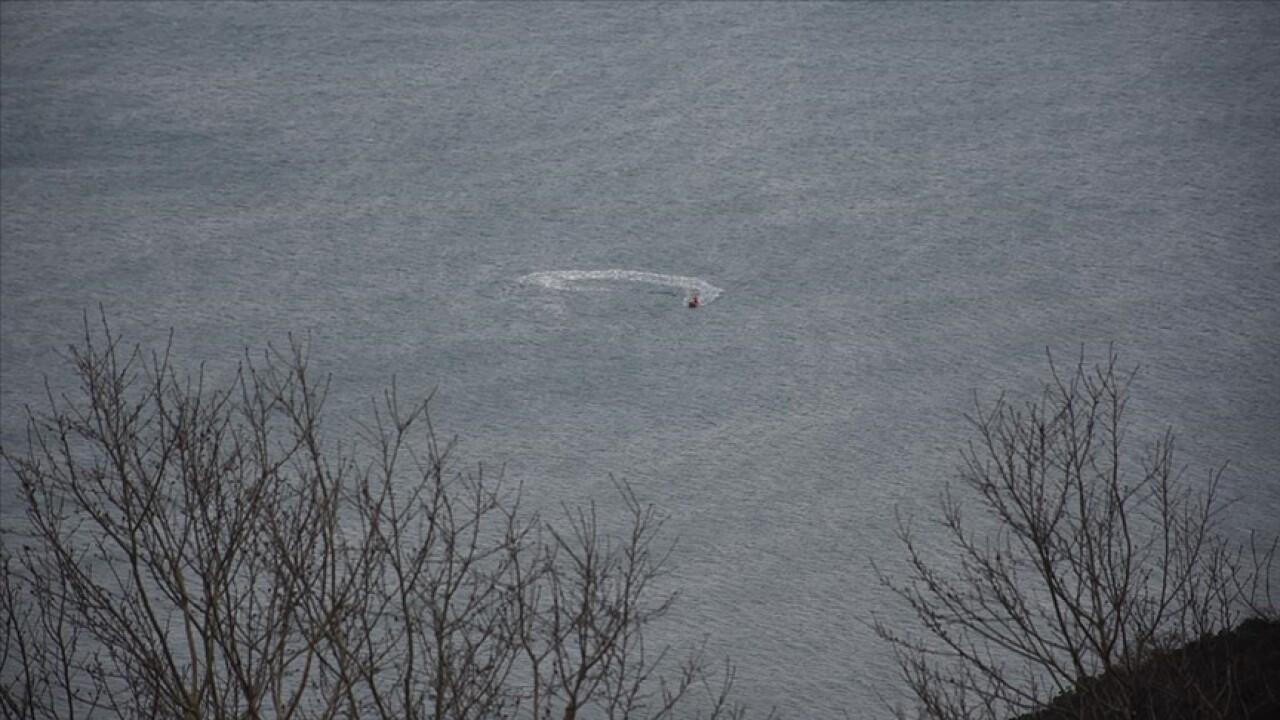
585	280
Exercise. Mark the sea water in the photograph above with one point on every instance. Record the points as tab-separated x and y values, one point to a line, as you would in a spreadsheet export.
895	207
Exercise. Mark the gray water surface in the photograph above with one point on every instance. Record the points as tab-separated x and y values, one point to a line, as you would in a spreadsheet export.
900	204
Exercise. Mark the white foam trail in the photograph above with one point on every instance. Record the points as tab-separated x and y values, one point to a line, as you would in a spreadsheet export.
567	279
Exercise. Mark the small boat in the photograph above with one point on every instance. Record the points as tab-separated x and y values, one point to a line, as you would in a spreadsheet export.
695	301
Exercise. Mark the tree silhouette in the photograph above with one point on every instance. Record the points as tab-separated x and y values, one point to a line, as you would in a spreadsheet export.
195	551
1080	567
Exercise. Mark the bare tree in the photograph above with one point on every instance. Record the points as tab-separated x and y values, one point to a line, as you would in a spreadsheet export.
192	551
1081	566
581	632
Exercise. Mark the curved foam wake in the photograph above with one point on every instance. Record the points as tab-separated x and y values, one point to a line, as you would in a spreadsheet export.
579	279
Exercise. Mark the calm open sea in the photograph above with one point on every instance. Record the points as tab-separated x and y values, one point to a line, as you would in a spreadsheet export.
889	206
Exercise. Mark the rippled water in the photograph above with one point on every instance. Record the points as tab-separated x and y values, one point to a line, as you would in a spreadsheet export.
893	206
